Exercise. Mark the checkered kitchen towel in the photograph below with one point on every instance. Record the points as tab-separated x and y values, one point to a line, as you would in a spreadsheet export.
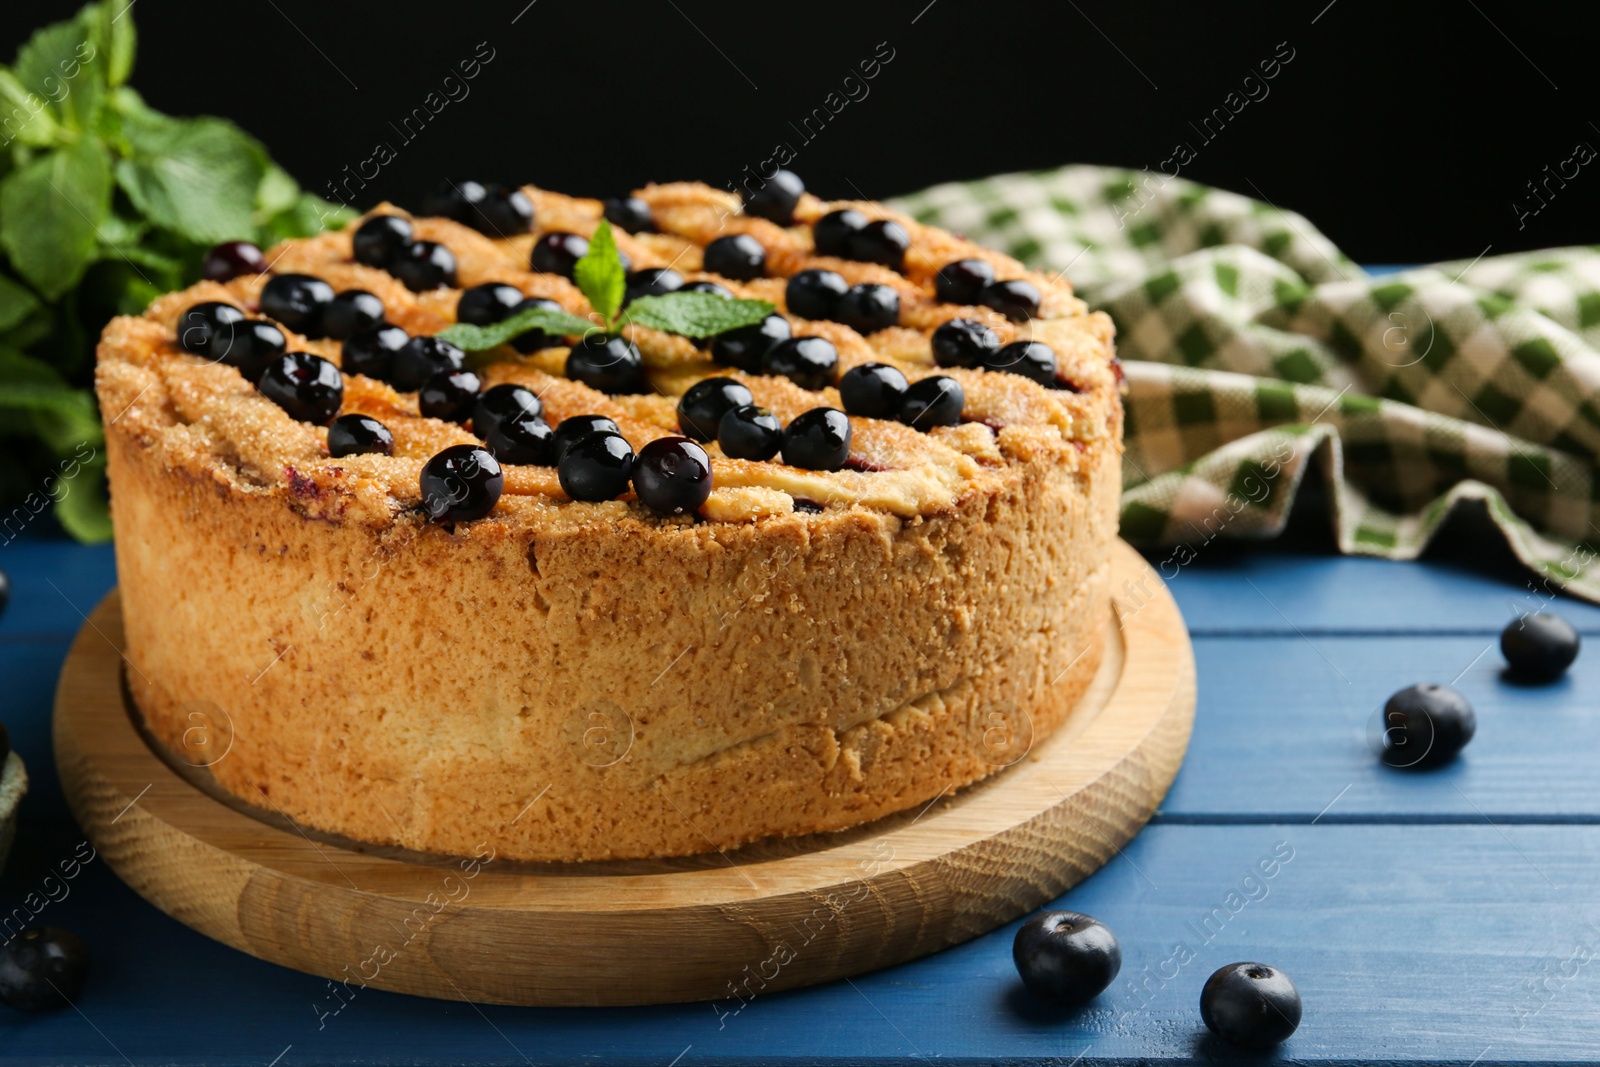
1253	348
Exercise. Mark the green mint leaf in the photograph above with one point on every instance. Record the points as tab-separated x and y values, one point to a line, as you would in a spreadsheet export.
696	315
197	177
50	212
27	116
277	192
599	273
16	303
308	216
471	338
112	22
60	64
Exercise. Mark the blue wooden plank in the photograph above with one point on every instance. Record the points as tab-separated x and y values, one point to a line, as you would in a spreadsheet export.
1285	728
54	583
1410	944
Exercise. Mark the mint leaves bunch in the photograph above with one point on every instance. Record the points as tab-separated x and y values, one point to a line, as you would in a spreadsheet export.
105	204
603	281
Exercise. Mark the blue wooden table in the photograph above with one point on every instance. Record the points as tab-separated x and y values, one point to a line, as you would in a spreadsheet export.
1444	917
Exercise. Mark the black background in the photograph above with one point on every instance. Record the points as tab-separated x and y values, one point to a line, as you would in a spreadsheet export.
1406	132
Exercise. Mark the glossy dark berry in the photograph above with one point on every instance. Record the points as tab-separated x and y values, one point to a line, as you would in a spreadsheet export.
1034	360
1017	300
809	362
379	241
1250	1004
504	402
351	312
744	348
1539	647
558	252
750	432
200	326
232	259
449	395
1425	726
533	340
961	281
308	387
461	483
420	358
706	287
884	242
524	439
575	426
453	199
609	364
775	198
503	212
297	301
738	256
814	294
596	466
424	265
487	304
351	435
651	281
372	353
964	343
873	391
935	401
868	308
833	232
42	968
1066	957
703	404
629	213
672	475
818	440
250	346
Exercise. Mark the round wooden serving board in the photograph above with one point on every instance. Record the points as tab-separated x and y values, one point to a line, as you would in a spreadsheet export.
721	927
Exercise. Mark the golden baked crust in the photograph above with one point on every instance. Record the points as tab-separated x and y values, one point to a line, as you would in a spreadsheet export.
566	680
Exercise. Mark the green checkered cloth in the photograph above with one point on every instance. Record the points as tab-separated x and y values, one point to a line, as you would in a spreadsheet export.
1254	347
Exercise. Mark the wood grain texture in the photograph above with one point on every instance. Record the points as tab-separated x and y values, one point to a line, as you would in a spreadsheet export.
774	916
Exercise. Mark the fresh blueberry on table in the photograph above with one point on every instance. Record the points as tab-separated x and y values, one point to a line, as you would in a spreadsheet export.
202	326
672	475
961	282
308	387
814	294
873	390
750	432
505	401
372	353
1033	360
558	252
629	213
352	435
1539	647
609	364
379	241
461	483
449	395
935	401
703	404
297	301
597	466
420	358
1017	300
963	343
809	362
834	231
738	256
776	198
1425	726
1250	1004
883	242
424	265
487	304
1066	957
818	440
745	347
574	427
42	968
232	259
868	308
522	439
351	312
